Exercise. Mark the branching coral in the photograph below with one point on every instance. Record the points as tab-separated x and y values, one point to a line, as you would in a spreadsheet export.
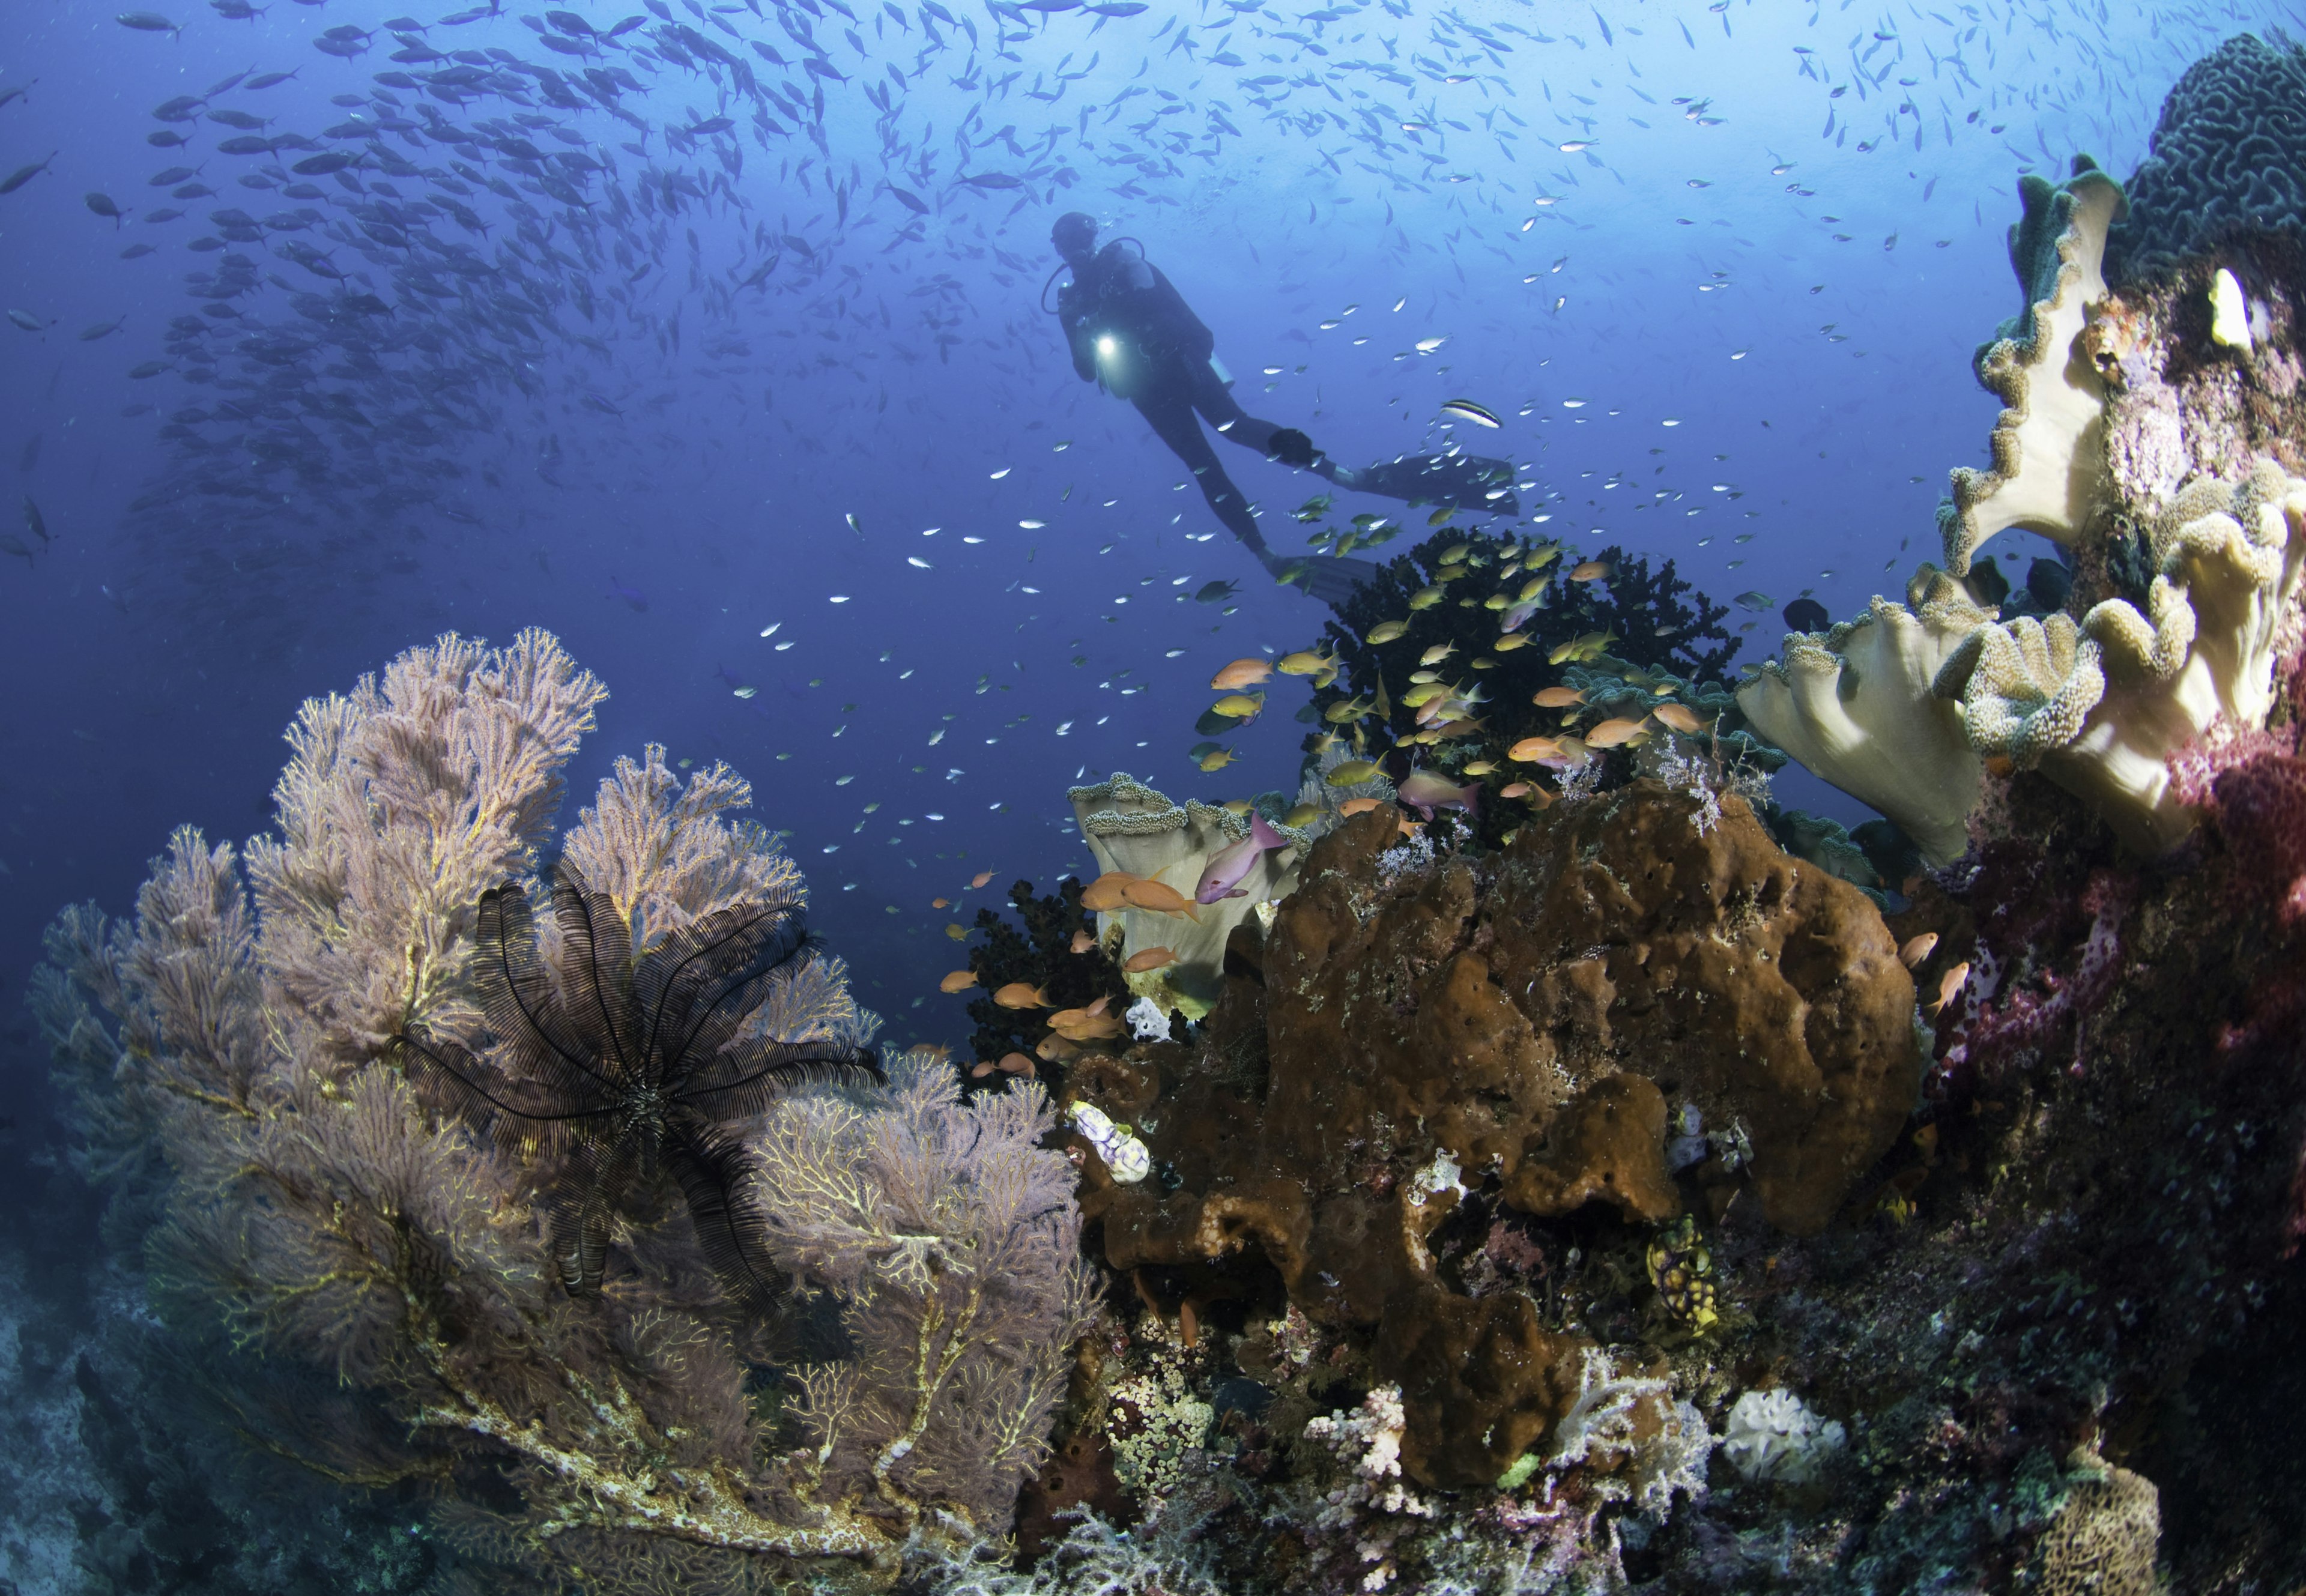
299	1209
1443	654
950	1240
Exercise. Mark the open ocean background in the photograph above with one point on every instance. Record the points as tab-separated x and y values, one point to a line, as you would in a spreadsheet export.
669	384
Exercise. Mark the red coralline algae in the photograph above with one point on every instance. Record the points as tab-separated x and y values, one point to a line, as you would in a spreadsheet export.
1992	1038
2261	812
2197	766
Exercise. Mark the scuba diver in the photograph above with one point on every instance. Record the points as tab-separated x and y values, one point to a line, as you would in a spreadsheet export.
1132	333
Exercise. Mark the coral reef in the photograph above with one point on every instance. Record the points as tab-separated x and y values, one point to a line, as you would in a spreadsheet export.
374	1292
1440	659
2228	157
1617	955
2166	462
1133	829
1055	954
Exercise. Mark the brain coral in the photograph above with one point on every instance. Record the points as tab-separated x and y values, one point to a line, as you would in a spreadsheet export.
1530	1016
2229	151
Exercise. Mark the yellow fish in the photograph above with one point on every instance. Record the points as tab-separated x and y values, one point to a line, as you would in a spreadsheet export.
1424	692
1346	709
1216	759
1239	706
1302	816
1386	631
1539	558
1455	552
960	980
1241	673
1439	516
1436	653
1306	662
1353	772
1510	642
1425	597
1480	767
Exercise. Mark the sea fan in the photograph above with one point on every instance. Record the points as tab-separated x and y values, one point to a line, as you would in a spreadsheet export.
626	1072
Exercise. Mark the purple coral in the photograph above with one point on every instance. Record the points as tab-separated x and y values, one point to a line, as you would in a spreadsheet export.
305	1216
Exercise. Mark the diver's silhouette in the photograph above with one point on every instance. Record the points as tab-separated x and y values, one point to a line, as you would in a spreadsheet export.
1132	333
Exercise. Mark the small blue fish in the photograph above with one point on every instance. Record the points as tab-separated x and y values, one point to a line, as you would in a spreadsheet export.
631	595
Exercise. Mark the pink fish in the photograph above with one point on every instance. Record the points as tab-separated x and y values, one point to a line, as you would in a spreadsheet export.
1425	791
1223	877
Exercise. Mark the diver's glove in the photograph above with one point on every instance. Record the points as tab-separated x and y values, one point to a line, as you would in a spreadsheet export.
1291	448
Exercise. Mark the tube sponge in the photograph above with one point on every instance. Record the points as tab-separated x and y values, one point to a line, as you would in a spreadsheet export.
1855	705
2048	465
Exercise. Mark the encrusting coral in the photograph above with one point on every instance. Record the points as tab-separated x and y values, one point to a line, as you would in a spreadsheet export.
233	1054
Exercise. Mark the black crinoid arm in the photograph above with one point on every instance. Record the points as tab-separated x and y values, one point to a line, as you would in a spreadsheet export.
627	1071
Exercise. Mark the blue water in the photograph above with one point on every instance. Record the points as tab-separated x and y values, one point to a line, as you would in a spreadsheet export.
1744	312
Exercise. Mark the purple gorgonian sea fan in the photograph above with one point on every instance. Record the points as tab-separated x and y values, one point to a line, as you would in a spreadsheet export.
518	1210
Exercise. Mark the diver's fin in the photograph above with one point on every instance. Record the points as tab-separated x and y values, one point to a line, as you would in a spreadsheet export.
1328	578
1462	482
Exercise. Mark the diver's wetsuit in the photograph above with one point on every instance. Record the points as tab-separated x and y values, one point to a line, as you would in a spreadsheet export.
1130	330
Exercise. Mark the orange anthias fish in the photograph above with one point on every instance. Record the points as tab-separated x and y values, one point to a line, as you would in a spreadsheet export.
1951	987
1158	896
1150	959
1529	750
1591	570
1241	673
1359	806
1078	1026
1918	949
980	878
1681	717
1613	733
1083	941
1108	892
939	903
1019	995
960	980
1557	697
